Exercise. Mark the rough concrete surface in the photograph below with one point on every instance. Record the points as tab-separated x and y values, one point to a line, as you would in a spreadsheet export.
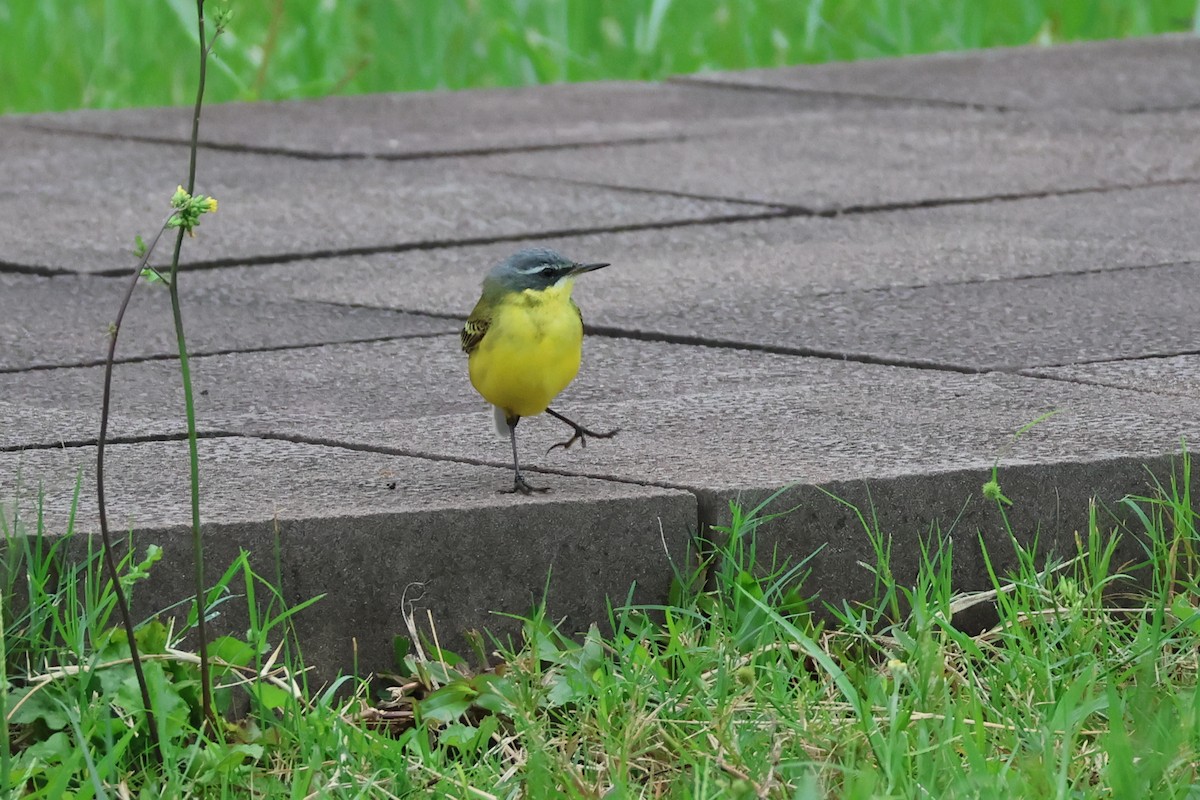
835	421
323	391
44	425
1129	75
64	320
952	290
1168	375
690	416
427	123
326	520
274	206
783	260
836	160
999	325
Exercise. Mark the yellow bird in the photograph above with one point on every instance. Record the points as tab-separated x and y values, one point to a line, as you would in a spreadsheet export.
524	343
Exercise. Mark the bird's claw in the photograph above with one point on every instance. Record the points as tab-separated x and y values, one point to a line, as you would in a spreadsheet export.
581	435
522	486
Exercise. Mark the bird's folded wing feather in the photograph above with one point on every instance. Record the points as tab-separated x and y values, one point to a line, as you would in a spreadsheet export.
473	332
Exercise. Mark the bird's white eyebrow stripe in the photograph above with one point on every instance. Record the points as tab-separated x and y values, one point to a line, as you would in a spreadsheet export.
544	265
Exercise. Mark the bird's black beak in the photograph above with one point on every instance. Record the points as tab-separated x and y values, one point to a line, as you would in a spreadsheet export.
582	268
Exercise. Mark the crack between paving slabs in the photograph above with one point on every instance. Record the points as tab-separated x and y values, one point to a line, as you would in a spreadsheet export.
445	244
614	332
1119	359
793	209
13	268
964	105
1070	273
796	210
318	155
475	462
75	444
224	352
1033	373
1180	109
770	211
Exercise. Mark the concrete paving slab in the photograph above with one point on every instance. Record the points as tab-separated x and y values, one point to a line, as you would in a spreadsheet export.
317	392
1178	375
272	206
696	417
1130	75
730	425
995	286
835	421
910	449
439	123
837	160
1043	321
784	261
45	425
444	538
64	320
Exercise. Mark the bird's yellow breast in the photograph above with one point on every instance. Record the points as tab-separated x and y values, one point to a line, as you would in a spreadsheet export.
531	351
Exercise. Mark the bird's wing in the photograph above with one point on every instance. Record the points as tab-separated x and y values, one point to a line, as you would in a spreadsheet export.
473	332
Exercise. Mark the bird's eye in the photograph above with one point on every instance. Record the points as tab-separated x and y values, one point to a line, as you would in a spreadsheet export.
547	270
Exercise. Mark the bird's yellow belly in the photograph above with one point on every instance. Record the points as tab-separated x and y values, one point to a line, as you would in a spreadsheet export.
531	353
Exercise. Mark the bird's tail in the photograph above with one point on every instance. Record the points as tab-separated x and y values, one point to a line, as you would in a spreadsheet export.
501	422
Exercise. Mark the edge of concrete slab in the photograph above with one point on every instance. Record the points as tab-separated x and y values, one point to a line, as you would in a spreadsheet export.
470	567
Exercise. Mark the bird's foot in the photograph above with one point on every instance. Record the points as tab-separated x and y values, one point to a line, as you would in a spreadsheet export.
522	486
581	435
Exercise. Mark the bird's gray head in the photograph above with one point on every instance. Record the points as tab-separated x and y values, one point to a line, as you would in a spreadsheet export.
536	269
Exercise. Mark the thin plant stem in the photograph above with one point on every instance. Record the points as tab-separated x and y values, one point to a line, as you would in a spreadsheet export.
5	743
206	702
109	560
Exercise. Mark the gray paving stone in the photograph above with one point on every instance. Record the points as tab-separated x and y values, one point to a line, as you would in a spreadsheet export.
735	425
795	257
696	417
64	320
444	538
909	449
46	425
1130	74
979	326
833	160
820	422
417	123
998	285
1170	375
108	191
317	392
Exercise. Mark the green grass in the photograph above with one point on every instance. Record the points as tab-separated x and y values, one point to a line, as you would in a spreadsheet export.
61	54
1084	688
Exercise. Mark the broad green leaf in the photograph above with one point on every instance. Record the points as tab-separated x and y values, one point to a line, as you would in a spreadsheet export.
271	696
448	703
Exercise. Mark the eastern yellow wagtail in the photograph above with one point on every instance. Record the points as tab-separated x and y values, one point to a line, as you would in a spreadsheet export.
524	342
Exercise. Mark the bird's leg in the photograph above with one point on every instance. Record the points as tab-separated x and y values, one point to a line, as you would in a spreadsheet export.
519	483
581	433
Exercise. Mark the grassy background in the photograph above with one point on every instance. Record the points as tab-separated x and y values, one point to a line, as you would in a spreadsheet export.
61	54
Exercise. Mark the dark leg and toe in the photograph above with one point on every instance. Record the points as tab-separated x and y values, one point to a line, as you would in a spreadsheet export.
581	434
519	482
